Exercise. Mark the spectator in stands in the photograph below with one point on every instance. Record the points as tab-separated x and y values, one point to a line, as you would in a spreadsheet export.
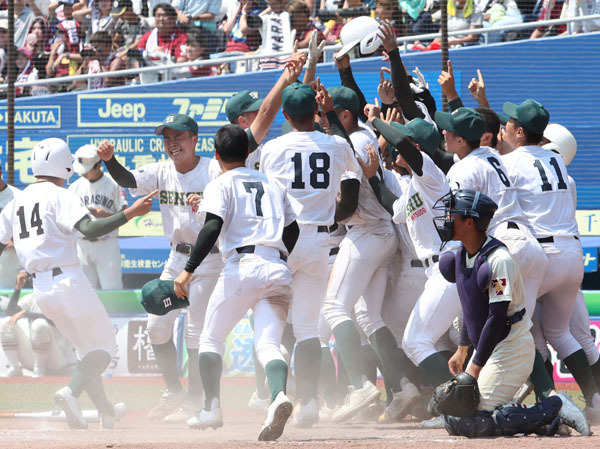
24	68
97	58
129	30
275	30
166	42
500	13
196	49
3	45
64	55
198	13
552	9
302	23
96	18
24	17
241	39
390	10
579	8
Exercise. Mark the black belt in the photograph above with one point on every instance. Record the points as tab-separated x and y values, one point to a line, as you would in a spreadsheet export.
546	240
186	249
90	240
416	263
251	248
516	317
434	259
322	229
334	251
55	272
512	225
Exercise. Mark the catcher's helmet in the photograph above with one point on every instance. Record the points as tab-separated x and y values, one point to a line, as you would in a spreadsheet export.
52	157
465	202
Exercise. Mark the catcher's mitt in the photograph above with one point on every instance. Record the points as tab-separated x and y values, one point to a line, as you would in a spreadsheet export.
457	397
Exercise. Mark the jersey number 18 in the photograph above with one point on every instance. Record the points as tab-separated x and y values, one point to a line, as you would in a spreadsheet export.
319	164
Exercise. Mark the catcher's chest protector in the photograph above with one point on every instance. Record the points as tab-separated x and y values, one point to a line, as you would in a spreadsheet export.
472	284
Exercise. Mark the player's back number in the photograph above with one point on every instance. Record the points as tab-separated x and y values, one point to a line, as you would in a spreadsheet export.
257	188
35	221
546	186
318	164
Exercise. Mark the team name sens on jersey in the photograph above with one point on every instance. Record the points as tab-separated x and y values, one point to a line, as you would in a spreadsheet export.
415	207
175	198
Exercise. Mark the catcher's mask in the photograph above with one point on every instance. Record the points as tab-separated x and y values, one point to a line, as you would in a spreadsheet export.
464	202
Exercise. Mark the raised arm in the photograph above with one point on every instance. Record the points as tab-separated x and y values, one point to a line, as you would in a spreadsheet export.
120	174
347	79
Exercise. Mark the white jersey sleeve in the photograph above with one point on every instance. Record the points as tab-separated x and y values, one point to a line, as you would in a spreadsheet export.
146	179
6	217
506	283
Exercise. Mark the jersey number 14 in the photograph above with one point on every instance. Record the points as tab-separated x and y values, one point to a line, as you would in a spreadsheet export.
35	221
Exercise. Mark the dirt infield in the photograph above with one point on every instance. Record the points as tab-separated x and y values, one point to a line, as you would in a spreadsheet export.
240	430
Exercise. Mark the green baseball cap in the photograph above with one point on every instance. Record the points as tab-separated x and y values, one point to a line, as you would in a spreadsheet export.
298	100
179	122
530	114
158	297
345	98
423	132
466	122
240	103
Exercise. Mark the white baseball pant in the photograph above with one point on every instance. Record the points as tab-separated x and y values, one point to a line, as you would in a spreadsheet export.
433	314
558	293
101	262
69	300
260	281
308	264
361	269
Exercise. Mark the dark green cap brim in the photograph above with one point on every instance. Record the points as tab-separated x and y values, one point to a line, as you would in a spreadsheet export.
160	129
510	109
444	120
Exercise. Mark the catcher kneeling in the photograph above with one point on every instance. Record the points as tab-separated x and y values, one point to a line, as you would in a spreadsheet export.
474	403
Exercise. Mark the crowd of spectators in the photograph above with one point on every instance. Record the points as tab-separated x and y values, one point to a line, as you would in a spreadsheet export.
72	37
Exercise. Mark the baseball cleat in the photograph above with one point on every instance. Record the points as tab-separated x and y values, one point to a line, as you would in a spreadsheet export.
572	415
68	403
168	403
207	418
357	399
403	402
306	415
434	423
258	405
182	414
278	414
108	421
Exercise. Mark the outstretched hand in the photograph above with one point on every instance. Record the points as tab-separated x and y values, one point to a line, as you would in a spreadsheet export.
370	168
447	83
477	89
324	100
387	34
141	206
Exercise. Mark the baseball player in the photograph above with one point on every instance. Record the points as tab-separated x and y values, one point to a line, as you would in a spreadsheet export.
310	165
255	224
29	340
181	181
43	222
438	305
9	263
480	168
546	199
361	270
496	323
100	257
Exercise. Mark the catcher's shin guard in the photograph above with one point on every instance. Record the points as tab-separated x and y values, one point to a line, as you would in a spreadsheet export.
479	425
515	418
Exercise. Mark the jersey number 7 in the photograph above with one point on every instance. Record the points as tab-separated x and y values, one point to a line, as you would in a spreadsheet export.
260	191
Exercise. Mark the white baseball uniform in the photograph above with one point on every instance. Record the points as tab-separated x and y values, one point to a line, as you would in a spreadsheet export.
254	210
41	221
483	170
310	165
101	257
362	265
181	226
35	344
438	305
546	199
9	263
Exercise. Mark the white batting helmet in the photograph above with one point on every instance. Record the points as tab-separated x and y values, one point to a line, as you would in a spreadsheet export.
361	29
52	157
561	141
